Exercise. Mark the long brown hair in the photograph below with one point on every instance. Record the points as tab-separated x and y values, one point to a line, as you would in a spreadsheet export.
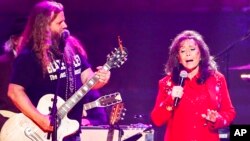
207	63
37	34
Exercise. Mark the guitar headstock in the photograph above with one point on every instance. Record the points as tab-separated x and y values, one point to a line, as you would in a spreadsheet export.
110	99
117	113
117	57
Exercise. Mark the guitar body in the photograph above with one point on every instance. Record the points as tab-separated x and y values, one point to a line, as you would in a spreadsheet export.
19	127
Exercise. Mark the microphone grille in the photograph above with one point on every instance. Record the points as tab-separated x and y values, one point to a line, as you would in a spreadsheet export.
183	74
65	34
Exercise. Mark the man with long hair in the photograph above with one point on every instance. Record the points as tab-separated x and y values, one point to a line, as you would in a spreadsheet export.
43	66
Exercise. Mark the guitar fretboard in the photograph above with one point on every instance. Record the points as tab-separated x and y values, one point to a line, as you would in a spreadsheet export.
78	95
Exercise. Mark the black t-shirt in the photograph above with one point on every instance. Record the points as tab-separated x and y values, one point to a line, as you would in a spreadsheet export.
27	72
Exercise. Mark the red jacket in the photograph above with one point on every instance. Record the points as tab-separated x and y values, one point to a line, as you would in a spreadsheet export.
184	122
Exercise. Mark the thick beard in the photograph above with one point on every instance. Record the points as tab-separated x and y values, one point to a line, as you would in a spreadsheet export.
55	48
55	38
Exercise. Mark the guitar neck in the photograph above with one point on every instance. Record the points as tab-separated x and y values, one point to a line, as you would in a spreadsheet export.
78	95
91	105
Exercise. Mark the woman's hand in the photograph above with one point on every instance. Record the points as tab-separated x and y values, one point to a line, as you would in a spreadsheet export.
177	91
211	115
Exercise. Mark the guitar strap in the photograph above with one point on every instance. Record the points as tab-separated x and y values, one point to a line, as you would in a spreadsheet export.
70	86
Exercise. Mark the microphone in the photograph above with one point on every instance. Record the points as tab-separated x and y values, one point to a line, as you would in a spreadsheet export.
63	39
183	75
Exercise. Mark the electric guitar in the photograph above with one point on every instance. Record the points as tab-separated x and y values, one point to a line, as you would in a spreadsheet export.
20	127
103	101
115	115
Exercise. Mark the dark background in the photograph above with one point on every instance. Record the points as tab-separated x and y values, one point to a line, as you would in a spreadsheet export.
146	28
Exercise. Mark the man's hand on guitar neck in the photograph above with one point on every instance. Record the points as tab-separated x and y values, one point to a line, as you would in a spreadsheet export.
103	76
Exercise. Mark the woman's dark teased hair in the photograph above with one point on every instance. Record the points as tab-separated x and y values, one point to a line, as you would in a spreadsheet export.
207	64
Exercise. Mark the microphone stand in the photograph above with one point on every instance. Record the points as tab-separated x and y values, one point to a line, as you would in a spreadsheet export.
53	114
226	51
53	119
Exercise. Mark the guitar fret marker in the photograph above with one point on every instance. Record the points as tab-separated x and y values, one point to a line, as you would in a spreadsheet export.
67	106
85	88
91	82
64	108
79	95
73	100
